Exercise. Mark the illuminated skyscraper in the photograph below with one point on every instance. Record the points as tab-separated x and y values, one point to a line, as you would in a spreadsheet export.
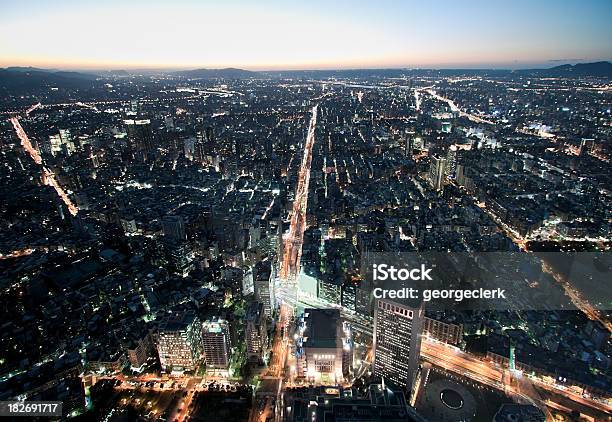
216	343
179	342
397	341
263	283
256	331
140	136
210	134
173	227
324	347
451	162
437	170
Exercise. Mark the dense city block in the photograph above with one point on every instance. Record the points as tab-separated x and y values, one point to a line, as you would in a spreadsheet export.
190	245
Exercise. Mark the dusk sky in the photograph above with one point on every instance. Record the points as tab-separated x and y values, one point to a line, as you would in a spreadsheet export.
313	34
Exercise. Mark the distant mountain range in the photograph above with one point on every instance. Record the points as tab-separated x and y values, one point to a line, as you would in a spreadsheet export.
227	73
27	80
596	69
35	71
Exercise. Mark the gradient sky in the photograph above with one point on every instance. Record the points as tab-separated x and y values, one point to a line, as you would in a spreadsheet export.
262	34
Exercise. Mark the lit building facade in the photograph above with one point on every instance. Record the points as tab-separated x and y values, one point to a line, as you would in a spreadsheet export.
216	343
446	332
397	341
256	331
263	284
437	170
179	343
323	348
173	227
140	135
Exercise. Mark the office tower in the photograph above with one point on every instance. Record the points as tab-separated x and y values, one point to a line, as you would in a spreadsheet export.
256	331
199	151
179	256
189	148
330	290
140	136
408	143
216	343
450	332
62	141
169	122
418	143
460	174
179	342
247	282
173	227
139	345
409	146
67	140
347	348
397	341
263	284
349	295
254	233
55	145
320	348
436	172
451	163
210	134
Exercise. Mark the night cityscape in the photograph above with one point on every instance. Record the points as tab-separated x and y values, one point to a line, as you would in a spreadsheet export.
219	243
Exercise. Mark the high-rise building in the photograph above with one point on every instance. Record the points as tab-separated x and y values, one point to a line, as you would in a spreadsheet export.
210	134
173	227
437	170
397	341
263	284
247	282
444	331
199	151
179	256
189	148
418	143
139	345
140	136
256	331
451	162
169	122
180	343
349	292
216	343
60	142
330	290
408	143
323	348
55	145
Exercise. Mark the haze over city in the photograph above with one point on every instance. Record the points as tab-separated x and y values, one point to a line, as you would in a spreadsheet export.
303	35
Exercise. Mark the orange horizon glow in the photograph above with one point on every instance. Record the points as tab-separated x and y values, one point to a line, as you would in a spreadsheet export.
273	35
398	63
